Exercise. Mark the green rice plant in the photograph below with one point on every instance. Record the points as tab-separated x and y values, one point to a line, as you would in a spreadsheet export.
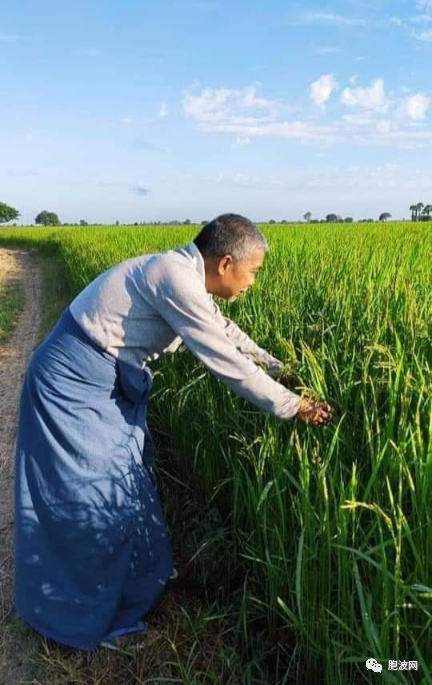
329	531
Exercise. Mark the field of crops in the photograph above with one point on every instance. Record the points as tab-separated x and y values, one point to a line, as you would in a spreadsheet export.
324	536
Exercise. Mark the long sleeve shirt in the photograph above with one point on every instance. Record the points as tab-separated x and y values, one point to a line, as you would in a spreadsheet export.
147	306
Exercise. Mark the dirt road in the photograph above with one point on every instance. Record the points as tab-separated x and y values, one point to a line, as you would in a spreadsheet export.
14	264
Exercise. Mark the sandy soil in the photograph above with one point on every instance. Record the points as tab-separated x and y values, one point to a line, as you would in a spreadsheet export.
14	264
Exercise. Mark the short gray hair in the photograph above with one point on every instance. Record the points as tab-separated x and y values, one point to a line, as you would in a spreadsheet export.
230	234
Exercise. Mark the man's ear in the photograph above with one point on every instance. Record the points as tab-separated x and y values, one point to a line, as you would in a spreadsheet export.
224	263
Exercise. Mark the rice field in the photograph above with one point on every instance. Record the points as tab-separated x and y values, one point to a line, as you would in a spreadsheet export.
322	537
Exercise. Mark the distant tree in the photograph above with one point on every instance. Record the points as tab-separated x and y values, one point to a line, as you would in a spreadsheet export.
413	210
308	216
284	221
7	213
204	222
117	223
384	216
331	218
427	209
187	222
47	218
83	223
348	219
419	207
272	221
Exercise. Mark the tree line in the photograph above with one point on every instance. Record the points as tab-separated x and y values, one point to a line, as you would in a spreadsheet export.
44	218
337	219
419	212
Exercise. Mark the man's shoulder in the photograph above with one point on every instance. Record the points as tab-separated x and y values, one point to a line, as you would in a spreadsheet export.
173	263
152	260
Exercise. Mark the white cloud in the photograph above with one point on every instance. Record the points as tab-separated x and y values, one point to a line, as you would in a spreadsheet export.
416	106
241	142
369	98
128	119
163	110
373	118
424	6
300	130
424	36
241	114
217	106
422	19
321	90
329	18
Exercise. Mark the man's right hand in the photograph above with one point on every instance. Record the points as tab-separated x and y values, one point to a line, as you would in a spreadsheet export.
316	413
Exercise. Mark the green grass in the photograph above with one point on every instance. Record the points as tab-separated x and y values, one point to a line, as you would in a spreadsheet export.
321	540
11	306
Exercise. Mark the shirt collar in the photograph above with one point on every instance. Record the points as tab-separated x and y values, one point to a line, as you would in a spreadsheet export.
197	258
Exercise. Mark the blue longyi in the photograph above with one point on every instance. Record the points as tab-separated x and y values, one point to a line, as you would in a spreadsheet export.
92	553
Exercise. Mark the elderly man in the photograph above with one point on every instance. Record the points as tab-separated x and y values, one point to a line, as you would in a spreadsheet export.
92	555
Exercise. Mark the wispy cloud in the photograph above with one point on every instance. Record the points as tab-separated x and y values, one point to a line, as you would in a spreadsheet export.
142	144
9	37
213	106
424	6
140	190
329	18
422	19
327	50
163	110
241	142
424	36
384	176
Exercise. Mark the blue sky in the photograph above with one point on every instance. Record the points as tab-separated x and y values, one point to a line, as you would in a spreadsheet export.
164	109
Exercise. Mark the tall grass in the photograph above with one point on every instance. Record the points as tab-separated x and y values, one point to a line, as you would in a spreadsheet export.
326	532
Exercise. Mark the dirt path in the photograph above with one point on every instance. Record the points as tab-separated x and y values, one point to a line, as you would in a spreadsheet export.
14	265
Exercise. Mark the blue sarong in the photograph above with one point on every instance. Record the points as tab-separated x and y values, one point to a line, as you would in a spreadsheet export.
92	553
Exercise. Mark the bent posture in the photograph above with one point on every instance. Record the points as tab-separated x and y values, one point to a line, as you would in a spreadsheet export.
92	555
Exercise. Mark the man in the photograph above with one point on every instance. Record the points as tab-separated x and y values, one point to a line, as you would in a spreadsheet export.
92	556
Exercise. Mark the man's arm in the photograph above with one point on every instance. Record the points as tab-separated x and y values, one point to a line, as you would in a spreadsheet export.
180	297
246	345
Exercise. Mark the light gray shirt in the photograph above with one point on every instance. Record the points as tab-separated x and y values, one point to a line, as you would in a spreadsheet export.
147	306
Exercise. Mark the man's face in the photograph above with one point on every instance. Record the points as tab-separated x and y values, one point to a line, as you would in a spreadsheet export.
229	279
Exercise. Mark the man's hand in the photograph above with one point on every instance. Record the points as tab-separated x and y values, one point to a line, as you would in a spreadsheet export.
316	413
